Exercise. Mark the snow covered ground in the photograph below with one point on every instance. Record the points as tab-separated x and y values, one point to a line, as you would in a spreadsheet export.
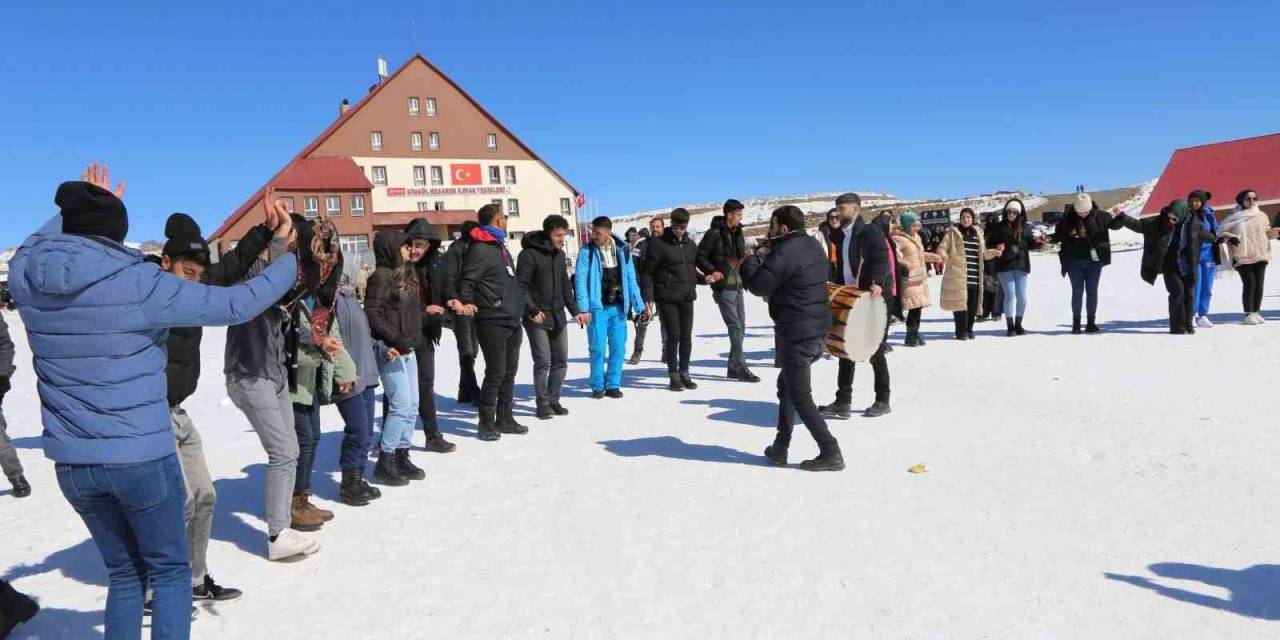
1117	486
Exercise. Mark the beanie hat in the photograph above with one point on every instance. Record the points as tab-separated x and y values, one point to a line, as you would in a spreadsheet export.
1084	203
679	216
90	210
182	236
907	219
1200	194
848	198
1015	205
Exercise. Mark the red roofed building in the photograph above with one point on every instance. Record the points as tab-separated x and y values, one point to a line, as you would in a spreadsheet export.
416	145
1223	169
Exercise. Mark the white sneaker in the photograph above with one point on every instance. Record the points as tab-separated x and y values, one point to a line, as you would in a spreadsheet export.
289	544
1251	318
1203	322
1258	319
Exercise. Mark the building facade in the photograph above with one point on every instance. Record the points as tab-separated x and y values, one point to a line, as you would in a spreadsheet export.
416	146
1223	169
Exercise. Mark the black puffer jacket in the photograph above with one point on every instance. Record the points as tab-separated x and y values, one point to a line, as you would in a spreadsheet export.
1158	234
793	277
542	272
489	282
1017	242
1080	236
431	278
670	269
395	315
183	369
453	259
871	246
716	248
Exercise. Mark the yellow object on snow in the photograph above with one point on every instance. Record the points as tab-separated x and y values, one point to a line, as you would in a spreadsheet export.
919	468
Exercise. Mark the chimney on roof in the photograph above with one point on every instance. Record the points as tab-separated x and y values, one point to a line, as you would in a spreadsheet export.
382	69
344	107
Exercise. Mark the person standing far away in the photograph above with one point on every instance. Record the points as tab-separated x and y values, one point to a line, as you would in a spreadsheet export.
97	316
671	278
464	326
725	241
1084	234
791	272
543	274
1250	235
655	230
428	264
489	290
606	291
1210	258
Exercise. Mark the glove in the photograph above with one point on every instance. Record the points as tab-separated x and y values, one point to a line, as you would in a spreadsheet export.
4	388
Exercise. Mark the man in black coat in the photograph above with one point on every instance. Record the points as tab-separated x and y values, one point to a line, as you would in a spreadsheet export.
670	278
793	277
874	273
542	273
722	246
424	251
464	326
656	228
488	289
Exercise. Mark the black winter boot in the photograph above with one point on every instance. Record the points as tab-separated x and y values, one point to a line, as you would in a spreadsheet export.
677	383
777	456
826	461
688	382
912	339
406	467
877	409
488	424
387	471
838	410
371	492
1092	327
351	493
545	412
558	409
1017	326
507	421
21	488
1075	325
15	609
437	444
635	357
1010	331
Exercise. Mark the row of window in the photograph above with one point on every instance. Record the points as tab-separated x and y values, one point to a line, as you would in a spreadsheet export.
333	205
433	141
415	107
512	208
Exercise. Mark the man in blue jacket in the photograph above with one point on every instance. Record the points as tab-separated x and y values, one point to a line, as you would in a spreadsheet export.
97	316
607	290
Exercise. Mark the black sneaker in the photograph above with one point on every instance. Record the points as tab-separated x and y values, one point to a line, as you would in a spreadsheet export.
613	393
214	593
824	462
21	488
635	358
688	382
839	410
677	383
597	394
437	444
744	375
545	413
559	409
876	410
776	455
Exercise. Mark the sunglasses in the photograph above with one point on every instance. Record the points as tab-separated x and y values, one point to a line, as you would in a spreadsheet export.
1250	198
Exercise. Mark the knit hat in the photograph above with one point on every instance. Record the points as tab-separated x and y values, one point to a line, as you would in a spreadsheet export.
679	216
1084	203
183	237
1015	205
907	219
1201	195
90	210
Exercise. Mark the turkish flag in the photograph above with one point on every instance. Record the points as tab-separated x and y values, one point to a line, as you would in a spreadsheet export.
582	200
465	174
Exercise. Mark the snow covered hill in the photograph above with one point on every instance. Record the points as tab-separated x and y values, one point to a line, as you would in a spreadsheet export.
1113	486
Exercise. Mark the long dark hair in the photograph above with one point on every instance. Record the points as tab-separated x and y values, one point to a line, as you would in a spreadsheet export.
405	276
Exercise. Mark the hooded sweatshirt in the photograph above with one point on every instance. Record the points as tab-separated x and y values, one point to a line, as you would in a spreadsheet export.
394	312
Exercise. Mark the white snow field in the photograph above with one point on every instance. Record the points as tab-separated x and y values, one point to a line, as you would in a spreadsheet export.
1115	486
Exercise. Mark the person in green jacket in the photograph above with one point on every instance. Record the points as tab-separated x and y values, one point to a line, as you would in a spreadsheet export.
324	370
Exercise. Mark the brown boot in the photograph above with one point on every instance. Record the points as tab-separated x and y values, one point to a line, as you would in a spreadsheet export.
303	519
324	514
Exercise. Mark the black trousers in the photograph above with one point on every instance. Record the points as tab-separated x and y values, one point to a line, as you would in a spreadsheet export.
795	393
464	333
677	331
501	347
426	357
1252	277
964	319
1182	300
879	369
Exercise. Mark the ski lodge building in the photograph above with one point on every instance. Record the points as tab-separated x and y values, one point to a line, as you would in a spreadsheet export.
417	145
1223	169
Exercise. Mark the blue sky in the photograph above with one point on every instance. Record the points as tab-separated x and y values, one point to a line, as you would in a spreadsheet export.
641	105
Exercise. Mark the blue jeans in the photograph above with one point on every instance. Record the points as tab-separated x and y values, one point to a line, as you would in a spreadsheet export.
357	413
607	342
1014	284
306	423
1204	286
1084	276
135	514
400	384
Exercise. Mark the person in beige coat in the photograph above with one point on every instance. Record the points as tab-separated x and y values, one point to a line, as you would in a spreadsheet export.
1250	235
912	259
964	251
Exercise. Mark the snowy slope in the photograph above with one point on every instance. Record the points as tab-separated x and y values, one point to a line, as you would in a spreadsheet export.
1057	460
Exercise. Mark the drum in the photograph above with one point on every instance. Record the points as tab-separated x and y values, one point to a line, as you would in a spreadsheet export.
858	323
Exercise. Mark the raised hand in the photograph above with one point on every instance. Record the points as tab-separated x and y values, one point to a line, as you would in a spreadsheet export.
99	175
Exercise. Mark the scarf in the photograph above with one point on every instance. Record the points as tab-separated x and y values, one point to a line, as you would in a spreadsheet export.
498	234
319	272
1237	224
609	255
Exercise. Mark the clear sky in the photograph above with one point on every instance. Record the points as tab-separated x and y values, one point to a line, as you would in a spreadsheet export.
639	104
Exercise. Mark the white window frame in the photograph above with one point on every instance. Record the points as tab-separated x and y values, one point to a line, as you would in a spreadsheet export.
375	140
311	206
439	205
414	106
432	110
513	208
509	174
566	207
424	206
433	141
357	211
497	201
495	174
491	141
415	141
437	176
380	180
329	205
419	176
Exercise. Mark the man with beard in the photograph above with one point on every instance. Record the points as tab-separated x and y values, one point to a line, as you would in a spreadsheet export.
792	276
543	274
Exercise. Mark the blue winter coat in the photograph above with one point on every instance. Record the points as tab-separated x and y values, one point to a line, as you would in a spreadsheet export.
590	272
97	317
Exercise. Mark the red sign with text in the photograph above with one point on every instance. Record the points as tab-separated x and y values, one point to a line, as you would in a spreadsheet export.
465	174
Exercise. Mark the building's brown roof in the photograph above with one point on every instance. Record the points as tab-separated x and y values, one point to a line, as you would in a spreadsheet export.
1223	169
342	119
402	218
322	174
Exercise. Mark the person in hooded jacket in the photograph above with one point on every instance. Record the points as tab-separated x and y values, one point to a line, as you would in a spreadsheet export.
464	326
1210	258
393	303
1085	248
606	291
670	278
97	316
964	251
791	272
1251	234
489	290
357	406
915	284
424	252
1013	238
719	248
1171	249
543	274
657	226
